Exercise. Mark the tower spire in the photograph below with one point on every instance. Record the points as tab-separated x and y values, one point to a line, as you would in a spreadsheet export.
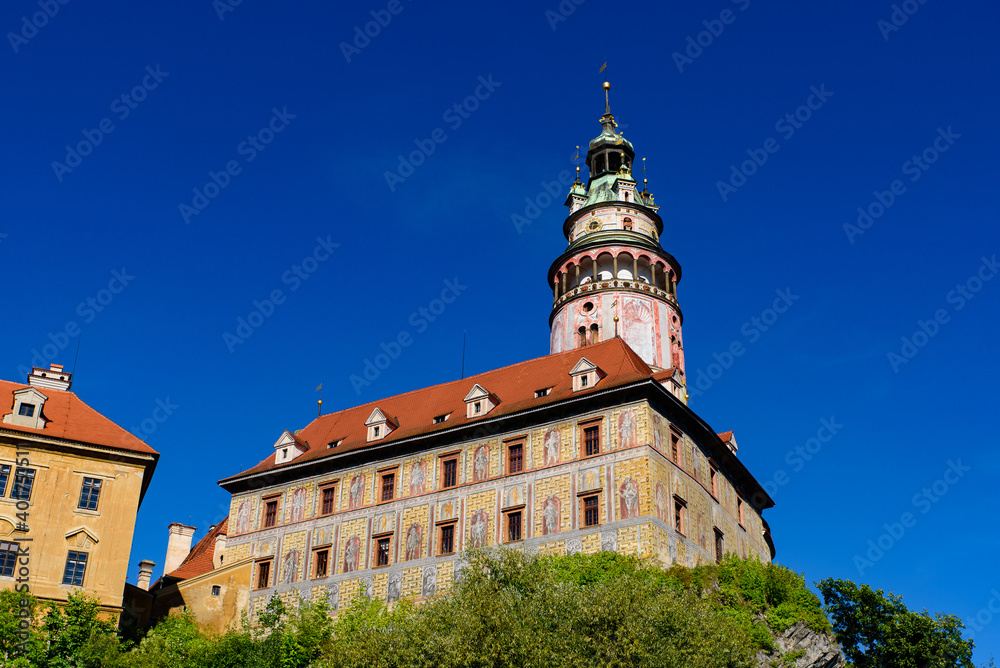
607	104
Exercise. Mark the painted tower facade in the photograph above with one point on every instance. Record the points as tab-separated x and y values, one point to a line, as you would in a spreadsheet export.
614	278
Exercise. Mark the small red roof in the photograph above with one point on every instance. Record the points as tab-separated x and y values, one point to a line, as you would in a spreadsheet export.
514	385
201	557
726	436
67	417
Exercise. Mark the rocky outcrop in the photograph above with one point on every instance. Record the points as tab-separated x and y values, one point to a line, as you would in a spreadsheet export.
801	647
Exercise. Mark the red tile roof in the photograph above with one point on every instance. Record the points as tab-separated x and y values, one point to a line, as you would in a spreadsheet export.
515	386
200	559
71	419
726	436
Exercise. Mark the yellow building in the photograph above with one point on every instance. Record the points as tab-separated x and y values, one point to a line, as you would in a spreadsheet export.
71	482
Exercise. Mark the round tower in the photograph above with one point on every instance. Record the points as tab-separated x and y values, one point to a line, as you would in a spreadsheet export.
614	278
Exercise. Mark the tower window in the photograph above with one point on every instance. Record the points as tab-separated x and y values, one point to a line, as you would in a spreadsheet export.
614	161
599	164
583	336
594	334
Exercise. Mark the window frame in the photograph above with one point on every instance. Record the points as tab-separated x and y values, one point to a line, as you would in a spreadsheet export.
330	487
79	568
449	525
5	470
381	539
509	447
262	567
680	516
266	503
318	552
444	459
29	477
9	551
741	512
24	409
713	479
91	496
586	497
216	590
720	545
508	516
388	472
676	451
585	426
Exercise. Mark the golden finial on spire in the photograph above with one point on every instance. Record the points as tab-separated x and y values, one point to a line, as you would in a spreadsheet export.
607	103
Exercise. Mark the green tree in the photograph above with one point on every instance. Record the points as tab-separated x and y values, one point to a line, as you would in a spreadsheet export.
875	629
75	635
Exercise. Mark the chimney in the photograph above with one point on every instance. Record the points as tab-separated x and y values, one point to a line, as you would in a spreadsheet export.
220	550
53	378
145	574
178	546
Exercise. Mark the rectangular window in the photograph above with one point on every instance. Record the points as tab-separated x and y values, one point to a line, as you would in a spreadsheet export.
76	566
270	513
8	558
388	486
90	493
584	380
713	477
675	448
329	497
739	511
27	410
23	480
542	393
322	563
515	458
680	521
4	475
263	574
440	418
216	590
477	407
450	472
448	539
514	526
592	440
375	431
382	552
719	546
591	512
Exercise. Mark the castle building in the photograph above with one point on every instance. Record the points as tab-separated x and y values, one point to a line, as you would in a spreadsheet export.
592	447
71	482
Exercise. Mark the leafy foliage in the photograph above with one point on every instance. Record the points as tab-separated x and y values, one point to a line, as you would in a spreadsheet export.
510	610
878	630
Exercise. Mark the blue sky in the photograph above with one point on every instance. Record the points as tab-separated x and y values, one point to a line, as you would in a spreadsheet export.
902	124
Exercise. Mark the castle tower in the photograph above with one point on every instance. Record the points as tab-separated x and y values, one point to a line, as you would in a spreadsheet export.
614	278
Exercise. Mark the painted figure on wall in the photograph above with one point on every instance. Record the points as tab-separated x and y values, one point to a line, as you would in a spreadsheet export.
626	429
477	529
662	509
357	492
701	532
558	344
243	517
394	588
333	594
298	505
417	477
629	493
481	463
352	554
551	515
552	446
414	536
290	567
430	583
657	433
637	316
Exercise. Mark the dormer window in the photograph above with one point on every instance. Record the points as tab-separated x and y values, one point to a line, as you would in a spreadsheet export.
333	444
441	418
379	426
542	393
29	403
585	375
479	401
288	447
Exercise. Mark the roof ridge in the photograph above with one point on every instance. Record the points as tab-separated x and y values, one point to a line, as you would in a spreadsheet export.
467	378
